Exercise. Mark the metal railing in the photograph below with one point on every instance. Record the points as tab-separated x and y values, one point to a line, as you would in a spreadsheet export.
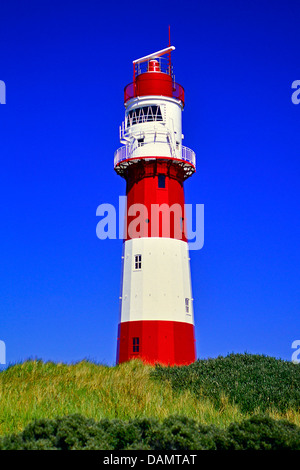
164	65
123	153
126	153
188	155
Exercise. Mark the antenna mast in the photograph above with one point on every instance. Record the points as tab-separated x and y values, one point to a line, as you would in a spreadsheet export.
170	72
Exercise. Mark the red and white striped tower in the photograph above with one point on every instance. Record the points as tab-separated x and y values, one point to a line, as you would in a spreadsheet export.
156	305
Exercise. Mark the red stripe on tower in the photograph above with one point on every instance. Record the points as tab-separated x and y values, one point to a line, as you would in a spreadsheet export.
156	308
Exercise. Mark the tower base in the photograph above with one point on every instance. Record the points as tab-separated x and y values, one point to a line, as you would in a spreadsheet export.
156	342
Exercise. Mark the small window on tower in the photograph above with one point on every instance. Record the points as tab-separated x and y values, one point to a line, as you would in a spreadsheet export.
144	114
161	181
187	305
158	114
138	262
135	344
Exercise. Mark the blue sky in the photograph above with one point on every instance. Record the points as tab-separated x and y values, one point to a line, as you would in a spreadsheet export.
65	65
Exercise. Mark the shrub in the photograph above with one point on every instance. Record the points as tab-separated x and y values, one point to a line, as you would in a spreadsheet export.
263	433
76	432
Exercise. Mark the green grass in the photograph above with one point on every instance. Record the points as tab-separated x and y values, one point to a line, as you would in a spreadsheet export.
211	392
35	390
252	382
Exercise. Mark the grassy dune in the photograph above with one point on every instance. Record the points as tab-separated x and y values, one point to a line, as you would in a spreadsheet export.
35	390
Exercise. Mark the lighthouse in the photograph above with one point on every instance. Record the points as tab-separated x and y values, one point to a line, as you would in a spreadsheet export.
156	304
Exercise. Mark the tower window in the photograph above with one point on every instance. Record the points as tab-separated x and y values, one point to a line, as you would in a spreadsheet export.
144	114
135	344
161	181
138	262
187	305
